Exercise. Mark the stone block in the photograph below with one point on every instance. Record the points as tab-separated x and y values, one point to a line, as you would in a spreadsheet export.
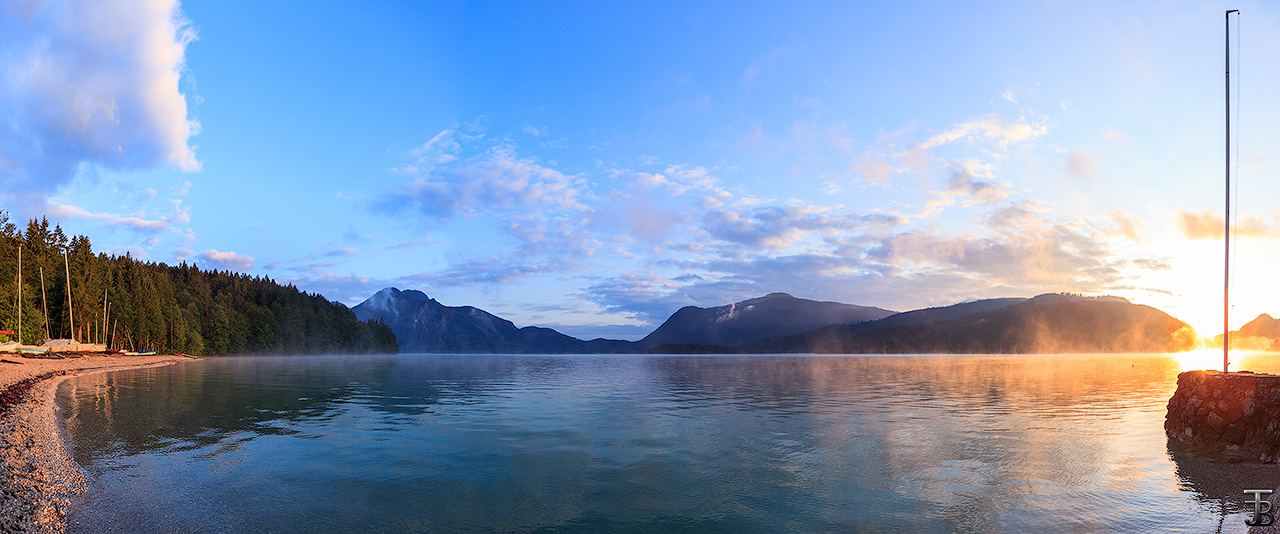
1215	421
1234	434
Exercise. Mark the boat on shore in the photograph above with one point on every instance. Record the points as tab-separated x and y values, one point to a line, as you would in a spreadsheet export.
71	346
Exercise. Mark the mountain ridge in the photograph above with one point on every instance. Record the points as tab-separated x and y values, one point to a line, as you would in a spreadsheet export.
781	323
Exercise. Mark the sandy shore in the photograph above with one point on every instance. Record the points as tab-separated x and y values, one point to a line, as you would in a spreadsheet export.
36	472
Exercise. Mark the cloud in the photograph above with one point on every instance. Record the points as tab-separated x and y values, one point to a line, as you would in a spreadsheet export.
348	289
58	211
132	193
964	183
643	296
341	252
873	169
1209	225
441	149
992	127
643	219
227	260
1021	252
1127	226
777	227
764	65
1079	165
495	180
495	270
1013	216
91	83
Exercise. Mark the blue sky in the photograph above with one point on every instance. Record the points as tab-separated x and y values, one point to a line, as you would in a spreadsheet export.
592	167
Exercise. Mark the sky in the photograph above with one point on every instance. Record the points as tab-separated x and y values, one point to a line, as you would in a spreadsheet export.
592	167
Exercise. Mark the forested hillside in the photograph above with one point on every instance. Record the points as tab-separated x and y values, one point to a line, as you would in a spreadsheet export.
170	309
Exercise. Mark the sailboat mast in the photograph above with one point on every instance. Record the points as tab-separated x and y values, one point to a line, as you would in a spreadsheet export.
1226	236
66	264
19	293
44	301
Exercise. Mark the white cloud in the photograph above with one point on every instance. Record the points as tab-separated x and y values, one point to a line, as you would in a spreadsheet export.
494	180
873	169
1079	165
776	227
58	211
227	260
991	127
964	184
91	83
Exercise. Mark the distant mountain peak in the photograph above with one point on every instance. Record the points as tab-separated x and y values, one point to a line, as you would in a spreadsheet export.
421	324
774	314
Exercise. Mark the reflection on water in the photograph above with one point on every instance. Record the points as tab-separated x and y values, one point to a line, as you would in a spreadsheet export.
419	443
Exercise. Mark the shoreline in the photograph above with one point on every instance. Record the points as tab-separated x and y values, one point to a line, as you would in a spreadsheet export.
37	473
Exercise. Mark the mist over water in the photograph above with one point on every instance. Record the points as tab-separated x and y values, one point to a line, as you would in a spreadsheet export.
429	443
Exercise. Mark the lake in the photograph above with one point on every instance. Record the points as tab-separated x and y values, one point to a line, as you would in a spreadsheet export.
638	443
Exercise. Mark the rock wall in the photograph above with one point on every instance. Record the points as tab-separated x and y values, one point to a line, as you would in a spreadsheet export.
1235	414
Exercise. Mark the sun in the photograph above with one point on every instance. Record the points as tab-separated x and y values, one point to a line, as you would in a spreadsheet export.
1200	359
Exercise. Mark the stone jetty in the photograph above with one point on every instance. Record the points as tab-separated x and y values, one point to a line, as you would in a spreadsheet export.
1235	414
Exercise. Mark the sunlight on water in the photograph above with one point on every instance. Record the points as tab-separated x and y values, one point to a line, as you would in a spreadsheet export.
1199	359
418	443
1211	359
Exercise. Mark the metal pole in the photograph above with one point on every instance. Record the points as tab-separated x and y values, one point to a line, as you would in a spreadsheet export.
1226	236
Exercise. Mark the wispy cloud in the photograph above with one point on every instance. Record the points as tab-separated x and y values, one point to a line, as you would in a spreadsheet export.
994	128
181	215
495	180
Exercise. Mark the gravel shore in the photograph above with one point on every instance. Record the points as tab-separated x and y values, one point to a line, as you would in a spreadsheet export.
36	472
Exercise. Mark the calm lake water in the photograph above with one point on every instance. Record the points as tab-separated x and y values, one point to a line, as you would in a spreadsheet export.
429	443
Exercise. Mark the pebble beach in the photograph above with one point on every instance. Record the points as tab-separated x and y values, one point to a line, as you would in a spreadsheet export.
36	472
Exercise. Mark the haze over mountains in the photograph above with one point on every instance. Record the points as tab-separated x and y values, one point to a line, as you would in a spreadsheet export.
781	323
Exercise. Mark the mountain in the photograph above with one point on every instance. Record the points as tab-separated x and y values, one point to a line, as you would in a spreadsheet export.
1262	326
775	314
1050	323
1262	333
810	341
421	324
781	323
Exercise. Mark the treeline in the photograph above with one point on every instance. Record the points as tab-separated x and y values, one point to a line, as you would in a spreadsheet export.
135	305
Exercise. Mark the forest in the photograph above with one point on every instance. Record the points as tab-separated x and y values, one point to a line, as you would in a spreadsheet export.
135	305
